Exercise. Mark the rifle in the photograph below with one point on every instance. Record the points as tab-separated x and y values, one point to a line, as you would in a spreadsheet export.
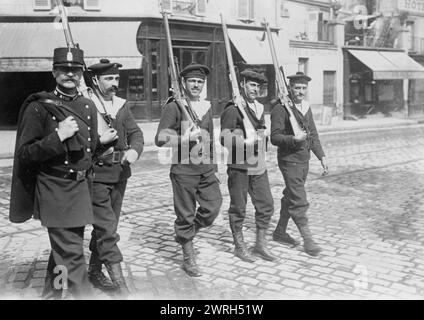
283	92
82	87
176	88
250	130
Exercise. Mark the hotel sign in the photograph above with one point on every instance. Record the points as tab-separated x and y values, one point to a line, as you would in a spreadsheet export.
412	6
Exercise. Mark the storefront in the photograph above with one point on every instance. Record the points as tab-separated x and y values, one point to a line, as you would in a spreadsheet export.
200	43
26	57
416	92
379	81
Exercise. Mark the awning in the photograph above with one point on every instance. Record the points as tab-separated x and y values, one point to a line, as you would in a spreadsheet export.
252	45
389	65
28	47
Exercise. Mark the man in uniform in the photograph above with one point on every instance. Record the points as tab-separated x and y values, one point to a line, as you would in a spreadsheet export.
244	175
111	172
52	176
294	140
192	171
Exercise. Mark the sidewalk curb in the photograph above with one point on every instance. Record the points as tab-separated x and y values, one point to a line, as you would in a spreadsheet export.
322	130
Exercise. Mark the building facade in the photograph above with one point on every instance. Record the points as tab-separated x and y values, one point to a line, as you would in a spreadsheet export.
314	41
132	33
379	73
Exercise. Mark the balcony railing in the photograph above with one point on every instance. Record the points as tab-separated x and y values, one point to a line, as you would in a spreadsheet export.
318	32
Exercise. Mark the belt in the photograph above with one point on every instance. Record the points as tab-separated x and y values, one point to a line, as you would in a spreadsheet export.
71	175
111	158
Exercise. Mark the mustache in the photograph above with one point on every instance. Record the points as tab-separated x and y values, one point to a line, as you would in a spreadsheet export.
113	89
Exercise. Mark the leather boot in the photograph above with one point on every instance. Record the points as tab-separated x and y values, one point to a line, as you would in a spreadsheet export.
118	280
96	276
309	244
260	247
189	262
280	234
240	249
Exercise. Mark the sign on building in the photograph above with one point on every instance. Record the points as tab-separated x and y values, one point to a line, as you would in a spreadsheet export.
412	6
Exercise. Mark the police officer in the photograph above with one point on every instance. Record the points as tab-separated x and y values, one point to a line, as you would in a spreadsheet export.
111	172
52	176
244	175
192	171
294	141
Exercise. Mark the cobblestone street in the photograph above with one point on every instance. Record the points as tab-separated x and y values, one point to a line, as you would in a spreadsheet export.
367	214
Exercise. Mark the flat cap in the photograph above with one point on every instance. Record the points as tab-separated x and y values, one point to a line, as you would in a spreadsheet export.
299	77
105	67
251	75
68	57
195	70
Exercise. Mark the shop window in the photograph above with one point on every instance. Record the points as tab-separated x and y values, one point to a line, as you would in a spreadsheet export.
136	85
386	92
42	4
369	93
245	10
155	63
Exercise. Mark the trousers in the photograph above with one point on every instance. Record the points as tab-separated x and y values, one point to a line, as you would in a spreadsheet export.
189	190
294	202
107	204
66	268
257	186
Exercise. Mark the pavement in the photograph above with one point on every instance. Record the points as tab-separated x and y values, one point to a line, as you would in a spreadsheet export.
367	215
8	137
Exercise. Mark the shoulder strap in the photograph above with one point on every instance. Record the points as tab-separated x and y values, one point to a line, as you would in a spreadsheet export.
50	103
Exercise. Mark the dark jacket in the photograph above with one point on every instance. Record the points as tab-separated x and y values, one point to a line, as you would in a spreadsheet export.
130	136
233	134
57	202
282	136
169	135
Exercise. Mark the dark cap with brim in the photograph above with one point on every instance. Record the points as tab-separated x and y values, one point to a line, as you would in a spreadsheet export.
68	57
299	77
250	75
195	70
105	67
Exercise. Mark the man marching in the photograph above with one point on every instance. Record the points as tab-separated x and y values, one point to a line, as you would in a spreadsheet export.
111	172
52	172
192	171
294	141
247	171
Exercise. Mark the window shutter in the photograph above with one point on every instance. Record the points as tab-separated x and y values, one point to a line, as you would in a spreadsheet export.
42	4
201	7
92	5
243	9
252	9
315	19
166	5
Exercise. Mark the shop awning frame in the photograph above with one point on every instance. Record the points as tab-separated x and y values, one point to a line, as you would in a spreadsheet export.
389	65
28	46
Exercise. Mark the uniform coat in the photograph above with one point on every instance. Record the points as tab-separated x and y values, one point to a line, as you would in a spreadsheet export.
57	202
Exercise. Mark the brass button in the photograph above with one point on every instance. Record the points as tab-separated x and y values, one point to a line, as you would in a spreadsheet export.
66	162
89	139
88	117
88	150
54	118
87	107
